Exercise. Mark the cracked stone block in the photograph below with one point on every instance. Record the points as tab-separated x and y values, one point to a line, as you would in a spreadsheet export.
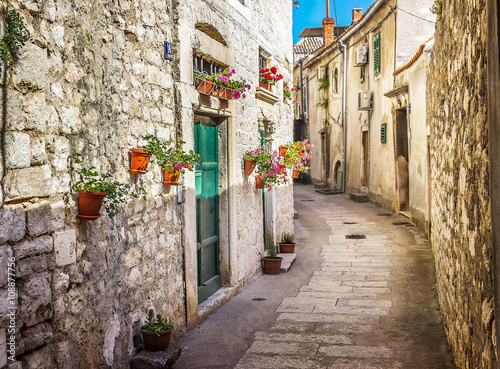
70	117
32	67
12	223
15	116
35	298
37	246
39	359
58	217
30	266
158	359
65	247
38	154
38	218
36	112
5	255
18	150
28	182
34	337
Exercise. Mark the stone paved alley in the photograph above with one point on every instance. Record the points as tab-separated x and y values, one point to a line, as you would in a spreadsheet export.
345	303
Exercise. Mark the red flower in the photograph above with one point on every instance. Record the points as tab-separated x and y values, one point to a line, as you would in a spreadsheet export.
267	70
199	161
280	77
274	70
262	71
267	76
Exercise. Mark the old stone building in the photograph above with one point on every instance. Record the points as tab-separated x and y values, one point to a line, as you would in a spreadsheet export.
92	79
367	124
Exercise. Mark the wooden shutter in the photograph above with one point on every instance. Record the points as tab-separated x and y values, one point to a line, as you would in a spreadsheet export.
383	133
362	76
376	54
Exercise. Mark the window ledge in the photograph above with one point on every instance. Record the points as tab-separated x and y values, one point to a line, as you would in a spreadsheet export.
266	95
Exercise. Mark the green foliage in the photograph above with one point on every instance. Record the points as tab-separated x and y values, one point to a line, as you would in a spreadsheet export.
116	192
287	238
323	84
324	103
171	158
298	154
437	8
156	325
287	92
268	166
271	249
15	35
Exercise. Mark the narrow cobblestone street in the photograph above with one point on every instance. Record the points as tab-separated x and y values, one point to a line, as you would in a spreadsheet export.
371	304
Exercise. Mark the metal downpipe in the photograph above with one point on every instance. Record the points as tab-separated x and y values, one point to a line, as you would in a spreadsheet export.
344	130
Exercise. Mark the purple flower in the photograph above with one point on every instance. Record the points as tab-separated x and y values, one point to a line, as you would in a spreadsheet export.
249	87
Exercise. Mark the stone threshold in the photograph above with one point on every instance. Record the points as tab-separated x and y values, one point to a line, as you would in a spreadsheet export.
214	302
287	262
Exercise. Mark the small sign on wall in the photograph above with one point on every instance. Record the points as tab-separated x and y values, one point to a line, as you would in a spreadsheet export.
168	51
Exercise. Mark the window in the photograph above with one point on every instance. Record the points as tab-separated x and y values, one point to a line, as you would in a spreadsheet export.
262	62
362	76
202	65
376	54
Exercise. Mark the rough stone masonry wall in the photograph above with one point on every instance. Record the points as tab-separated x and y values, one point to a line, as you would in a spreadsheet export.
91	80
460	234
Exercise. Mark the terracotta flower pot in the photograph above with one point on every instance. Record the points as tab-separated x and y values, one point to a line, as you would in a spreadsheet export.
286	248
259	183
296	173
249	166
272	265
205	86
89	204
267	86
171	178
225	93
139	160
282	170
283	150
157	341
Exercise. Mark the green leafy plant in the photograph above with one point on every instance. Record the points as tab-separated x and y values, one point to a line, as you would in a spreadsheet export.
323	84
171	158
298	154
15	35
224	79
157	325
272	251
287	238
437	8
324	103
287	93
268	166
116	192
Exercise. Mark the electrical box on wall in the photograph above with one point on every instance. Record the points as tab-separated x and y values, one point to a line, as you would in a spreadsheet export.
361	56
321	72
364	100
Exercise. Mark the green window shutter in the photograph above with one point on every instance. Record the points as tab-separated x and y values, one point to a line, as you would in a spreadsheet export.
376	54
383	133
362	77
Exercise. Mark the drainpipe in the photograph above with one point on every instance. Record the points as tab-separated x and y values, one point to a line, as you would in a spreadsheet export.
302	101
344	130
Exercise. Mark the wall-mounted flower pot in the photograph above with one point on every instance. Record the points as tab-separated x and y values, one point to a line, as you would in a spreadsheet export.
296	173
286	248
272	265
225	92
282	170
205	86
249	166
283	150
259	183
267	86
157	341
171	178
89	204
139	160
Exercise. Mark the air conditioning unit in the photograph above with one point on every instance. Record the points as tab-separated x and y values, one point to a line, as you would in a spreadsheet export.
321	72
361	55
364	101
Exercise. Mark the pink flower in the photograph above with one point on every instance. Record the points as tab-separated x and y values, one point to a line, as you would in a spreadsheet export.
293	89
249	87
294	101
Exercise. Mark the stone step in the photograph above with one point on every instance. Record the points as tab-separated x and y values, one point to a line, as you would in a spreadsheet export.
359	197
287	262
157	359
319	184
328	192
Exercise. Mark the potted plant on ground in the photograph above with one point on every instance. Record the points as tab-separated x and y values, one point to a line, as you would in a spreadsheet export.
94	188
269	77
272	263
174	161
287	246
156	333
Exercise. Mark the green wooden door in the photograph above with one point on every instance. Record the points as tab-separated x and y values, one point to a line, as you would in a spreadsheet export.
207	207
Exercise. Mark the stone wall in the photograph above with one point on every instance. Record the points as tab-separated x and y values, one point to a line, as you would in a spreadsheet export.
460	207
92	80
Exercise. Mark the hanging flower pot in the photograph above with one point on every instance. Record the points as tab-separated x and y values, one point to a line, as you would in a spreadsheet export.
259	183
283	150
249	166
296	173
267	86
139	160
89	204
225	93
272	265
205	86
171	178
282	170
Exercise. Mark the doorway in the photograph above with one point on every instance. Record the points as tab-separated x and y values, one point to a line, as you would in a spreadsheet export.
365	143
402	159
207	206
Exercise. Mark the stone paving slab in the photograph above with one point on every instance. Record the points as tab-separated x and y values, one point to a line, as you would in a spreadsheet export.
301	337
253	361
356	351
284	348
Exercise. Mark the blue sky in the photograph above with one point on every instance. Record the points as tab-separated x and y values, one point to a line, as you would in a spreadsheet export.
312	12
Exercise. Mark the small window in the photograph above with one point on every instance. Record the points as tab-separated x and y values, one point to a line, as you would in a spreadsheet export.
262	62
202	65
376	54
362	76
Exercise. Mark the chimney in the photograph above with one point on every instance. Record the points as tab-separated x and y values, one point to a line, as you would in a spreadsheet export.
328	31
356	14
